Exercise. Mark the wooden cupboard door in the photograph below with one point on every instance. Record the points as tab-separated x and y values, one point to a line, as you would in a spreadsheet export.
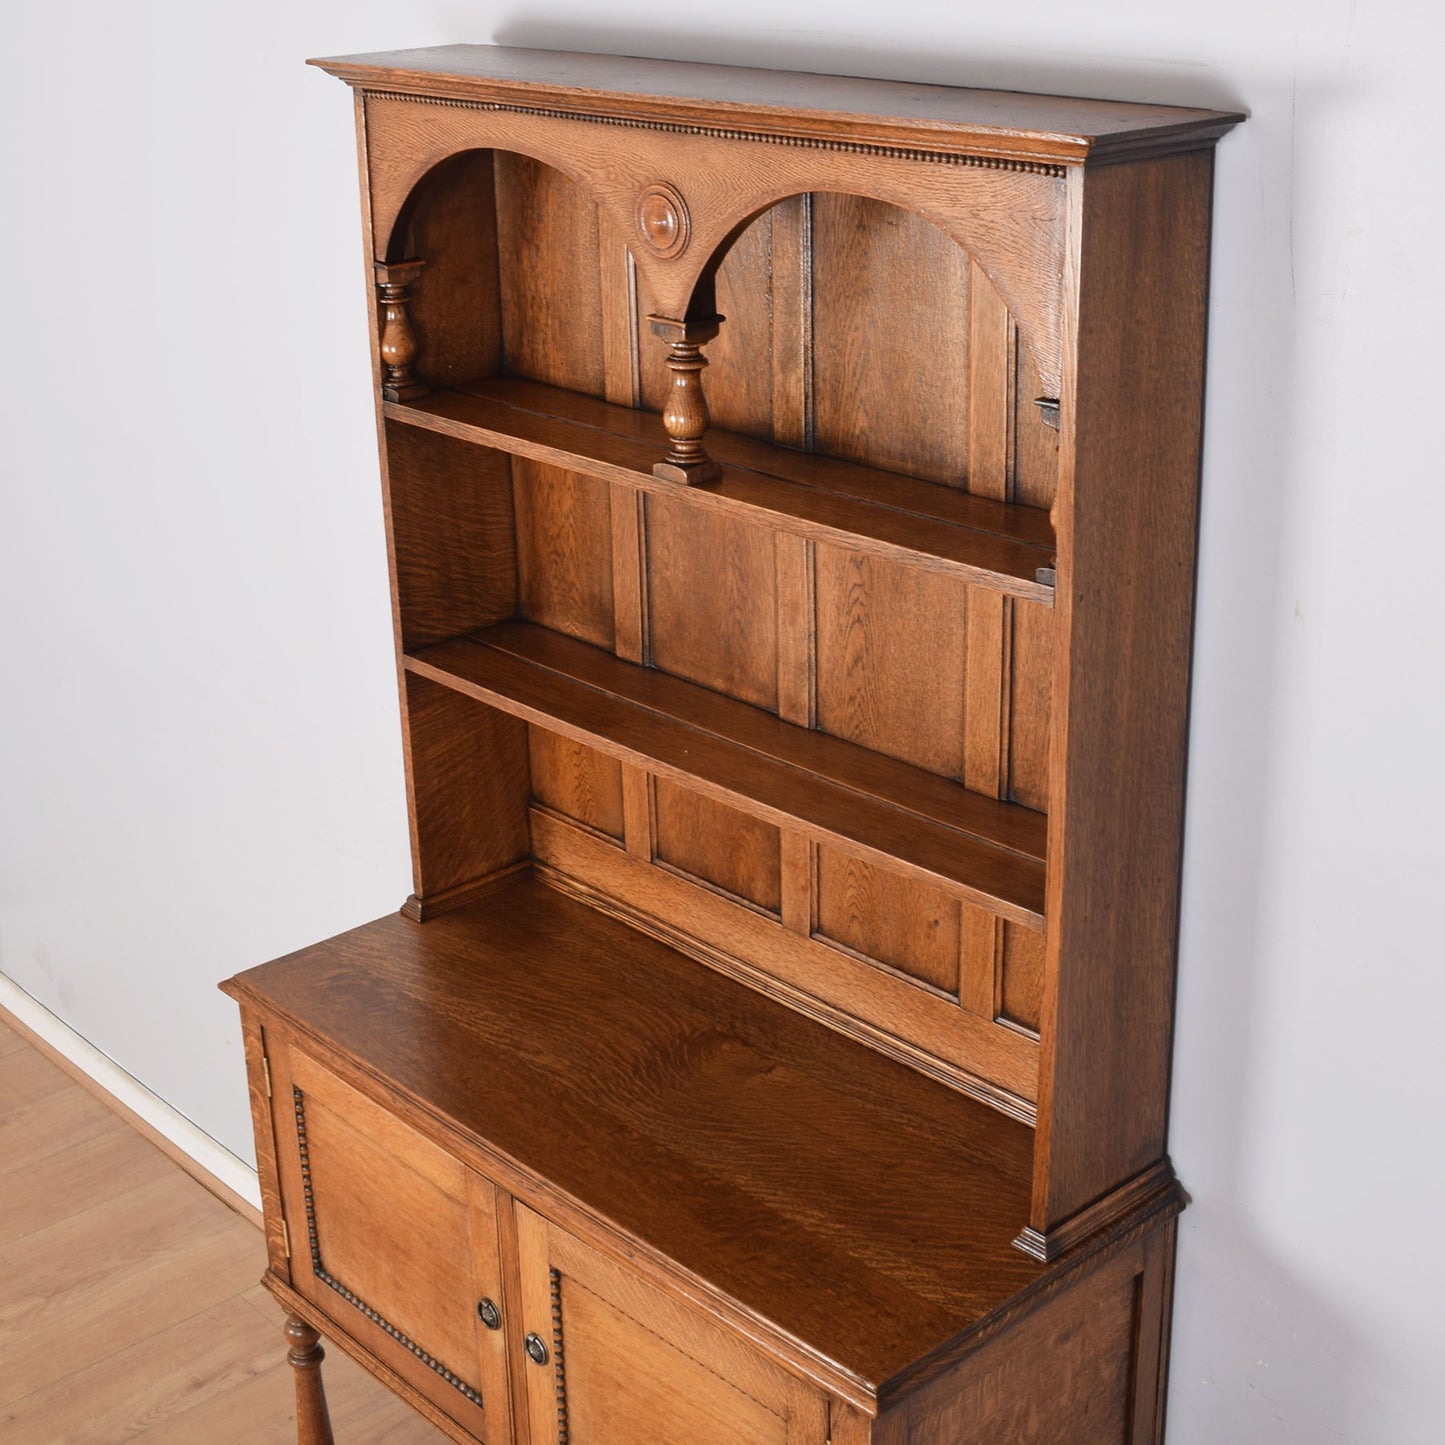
613	1360
395	1240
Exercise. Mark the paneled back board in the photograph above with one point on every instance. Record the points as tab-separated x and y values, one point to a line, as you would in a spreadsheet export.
791	489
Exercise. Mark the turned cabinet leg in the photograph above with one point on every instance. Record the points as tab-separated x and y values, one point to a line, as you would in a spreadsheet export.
313	1420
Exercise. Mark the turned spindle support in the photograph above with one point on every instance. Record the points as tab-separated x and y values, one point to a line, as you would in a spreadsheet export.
399	348
313	1420
686	416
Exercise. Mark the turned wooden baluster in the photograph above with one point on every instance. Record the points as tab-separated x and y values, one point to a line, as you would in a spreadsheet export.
685	415
313	1420
398	341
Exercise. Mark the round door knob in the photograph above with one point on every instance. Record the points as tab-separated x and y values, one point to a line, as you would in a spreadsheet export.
536	1350
491	1316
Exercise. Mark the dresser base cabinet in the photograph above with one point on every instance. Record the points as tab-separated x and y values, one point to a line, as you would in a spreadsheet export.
553	1179
791	488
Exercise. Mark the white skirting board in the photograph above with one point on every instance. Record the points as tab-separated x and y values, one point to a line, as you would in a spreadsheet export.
210	1158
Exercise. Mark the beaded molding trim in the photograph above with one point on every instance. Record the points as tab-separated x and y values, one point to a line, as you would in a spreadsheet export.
812	143
558	1364
455	1381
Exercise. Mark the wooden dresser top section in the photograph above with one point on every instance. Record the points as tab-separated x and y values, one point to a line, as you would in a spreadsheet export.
830	1192
786	105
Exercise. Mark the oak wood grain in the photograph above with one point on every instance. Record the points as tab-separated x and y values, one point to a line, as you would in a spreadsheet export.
1007	216
450	221
791	839
628	720
564	578
548	263
628	1362
452	529
713	600
890	300
724	847
906	520
884	1007
467	787
1121	676
887	679
708	1096
990	121
576	781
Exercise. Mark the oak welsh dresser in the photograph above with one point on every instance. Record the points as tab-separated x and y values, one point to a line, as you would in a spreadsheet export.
791	488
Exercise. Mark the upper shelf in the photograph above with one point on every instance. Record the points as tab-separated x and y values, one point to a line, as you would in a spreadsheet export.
889	812
1041	128
990	544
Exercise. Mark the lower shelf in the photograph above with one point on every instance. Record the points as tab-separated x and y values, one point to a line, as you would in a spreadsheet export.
985	851
835	1195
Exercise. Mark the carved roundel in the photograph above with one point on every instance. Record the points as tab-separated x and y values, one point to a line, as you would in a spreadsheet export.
662	219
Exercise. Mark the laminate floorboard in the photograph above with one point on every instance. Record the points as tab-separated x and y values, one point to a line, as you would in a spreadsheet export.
129	1308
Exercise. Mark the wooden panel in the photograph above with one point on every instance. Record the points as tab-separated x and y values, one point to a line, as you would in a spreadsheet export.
551	292
890	658
709	840
1021	976
713	600
637	811
630	1363
738	379
1079	1349
389	1237
455	306
1036	444
451	534
992	342
792	298
617	278
890	1012
467	787
978	963
267	1176
1128	513
988	620
890	301
1030	699
576	781
904	924
797	627
798	906
629	576
564	550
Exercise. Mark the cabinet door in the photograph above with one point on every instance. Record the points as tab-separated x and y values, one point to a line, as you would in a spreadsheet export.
616	1361
395	1240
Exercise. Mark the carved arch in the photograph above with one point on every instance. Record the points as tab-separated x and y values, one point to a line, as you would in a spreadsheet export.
1037	331
1011	223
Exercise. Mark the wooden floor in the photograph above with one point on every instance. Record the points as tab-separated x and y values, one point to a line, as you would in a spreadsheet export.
129	1308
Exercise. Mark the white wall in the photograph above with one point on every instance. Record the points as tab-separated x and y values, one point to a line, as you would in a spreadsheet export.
201	755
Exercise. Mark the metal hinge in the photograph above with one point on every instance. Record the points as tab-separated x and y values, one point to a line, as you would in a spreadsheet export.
286	1238
266	1069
